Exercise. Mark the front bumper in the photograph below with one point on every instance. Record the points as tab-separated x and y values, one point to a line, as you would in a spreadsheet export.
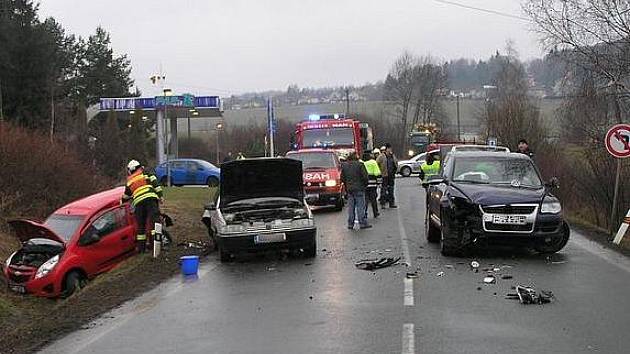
245	242
46	286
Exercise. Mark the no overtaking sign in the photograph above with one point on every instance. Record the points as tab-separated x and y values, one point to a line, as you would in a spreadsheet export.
618	140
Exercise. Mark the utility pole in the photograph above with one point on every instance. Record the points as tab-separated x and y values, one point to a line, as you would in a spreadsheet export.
347	93
459	131
1	107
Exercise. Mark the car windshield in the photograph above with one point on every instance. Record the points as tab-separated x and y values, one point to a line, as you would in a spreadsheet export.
419	139
328	137
64	225
314	159
516	172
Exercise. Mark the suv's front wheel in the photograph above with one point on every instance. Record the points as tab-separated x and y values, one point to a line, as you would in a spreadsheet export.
451	238
554	243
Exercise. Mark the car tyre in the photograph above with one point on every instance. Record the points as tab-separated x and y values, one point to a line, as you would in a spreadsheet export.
224	255
164	181
212	182
339	205
405	171
433	232
73	282
311	250
557	243
451	245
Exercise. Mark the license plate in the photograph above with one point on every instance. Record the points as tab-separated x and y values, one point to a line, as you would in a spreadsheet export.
312	196
509	219
17	288
270	238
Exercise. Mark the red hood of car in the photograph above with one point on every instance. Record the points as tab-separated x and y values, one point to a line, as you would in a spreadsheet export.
319	175
28	229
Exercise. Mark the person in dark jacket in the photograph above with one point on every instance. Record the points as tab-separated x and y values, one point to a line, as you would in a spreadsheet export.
374	180
388	164
355	178
523	148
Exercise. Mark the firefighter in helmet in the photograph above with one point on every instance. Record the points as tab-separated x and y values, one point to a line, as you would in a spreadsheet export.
145	194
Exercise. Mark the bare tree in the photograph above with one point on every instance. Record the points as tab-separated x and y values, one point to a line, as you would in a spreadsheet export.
430	80
400	85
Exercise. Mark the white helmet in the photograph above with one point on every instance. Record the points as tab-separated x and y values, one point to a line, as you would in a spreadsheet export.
376	151
132	166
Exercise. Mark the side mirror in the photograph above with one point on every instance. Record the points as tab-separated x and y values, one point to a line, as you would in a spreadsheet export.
553	183
89	238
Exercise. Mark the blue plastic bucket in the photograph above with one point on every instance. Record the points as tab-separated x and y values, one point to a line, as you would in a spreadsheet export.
190	265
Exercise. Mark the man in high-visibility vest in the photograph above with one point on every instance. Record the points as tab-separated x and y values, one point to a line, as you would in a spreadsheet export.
374	180
145	194
430	167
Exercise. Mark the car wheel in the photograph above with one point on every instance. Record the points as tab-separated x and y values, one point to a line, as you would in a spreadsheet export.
555	243
224	255
310	251
339	205
405	171
73	282
451	245
213	182
432	232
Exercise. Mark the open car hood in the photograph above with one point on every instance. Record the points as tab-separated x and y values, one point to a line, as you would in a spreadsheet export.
27	229
261	178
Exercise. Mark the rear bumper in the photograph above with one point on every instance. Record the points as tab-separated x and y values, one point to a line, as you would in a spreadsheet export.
295	239
321	196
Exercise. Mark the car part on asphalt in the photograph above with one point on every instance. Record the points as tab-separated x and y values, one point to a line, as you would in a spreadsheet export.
506	276
527	295
489	279
412	275
474	265
440	274
372	264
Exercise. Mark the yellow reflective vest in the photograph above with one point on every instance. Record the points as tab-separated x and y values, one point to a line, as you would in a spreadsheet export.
430	170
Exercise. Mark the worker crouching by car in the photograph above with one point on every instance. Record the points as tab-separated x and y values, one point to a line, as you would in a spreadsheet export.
145	194
374	180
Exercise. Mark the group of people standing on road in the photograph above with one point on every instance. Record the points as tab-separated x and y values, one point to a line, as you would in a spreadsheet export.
362	178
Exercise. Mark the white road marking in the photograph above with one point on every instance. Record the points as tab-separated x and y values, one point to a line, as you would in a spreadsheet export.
408	339
403	236
408	294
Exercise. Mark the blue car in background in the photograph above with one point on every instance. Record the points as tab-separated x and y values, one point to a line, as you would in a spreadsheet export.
189	172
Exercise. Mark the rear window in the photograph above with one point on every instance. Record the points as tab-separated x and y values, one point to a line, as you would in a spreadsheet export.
64	225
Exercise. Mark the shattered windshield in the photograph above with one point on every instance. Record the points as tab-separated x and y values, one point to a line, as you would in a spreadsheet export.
496	170
64	225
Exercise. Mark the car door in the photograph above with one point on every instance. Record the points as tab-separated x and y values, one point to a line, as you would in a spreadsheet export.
114	234
435	192
417	162
193	173
178	172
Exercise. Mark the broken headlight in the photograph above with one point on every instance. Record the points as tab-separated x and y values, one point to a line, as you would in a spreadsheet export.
550	206
303	222
47	267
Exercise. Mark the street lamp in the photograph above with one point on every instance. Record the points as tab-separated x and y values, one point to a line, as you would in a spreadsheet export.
218	127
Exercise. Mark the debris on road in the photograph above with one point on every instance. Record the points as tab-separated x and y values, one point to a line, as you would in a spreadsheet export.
372	264
506	276
440	274
412	275
496	270
489	279
527	295
449	266
474	265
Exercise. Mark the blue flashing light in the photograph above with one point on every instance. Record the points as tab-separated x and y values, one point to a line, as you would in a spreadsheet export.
313	117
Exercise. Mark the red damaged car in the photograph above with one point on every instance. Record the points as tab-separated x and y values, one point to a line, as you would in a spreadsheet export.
321	171
74	244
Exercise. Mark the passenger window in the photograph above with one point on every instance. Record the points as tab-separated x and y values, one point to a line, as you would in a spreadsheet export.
109	222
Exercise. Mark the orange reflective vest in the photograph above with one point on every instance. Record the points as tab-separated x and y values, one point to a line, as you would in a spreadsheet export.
141	186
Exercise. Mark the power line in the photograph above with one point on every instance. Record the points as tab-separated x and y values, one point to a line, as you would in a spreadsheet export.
489	11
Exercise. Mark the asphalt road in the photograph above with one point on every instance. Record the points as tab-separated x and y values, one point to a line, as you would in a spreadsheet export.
326	305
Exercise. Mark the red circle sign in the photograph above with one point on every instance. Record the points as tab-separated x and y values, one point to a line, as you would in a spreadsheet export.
618	140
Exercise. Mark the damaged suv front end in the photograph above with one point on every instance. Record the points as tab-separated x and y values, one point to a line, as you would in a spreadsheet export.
260	207
493	198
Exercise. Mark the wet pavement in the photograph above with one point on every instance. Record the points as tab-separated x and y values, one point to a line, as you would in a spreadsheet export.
326	305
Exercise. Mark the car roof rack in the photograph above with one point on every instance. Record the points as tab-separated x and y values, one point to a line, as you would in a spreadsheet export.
488	148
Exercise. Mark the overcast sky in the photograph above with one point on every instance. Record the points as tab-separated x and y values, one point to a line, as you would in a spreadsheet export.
232	46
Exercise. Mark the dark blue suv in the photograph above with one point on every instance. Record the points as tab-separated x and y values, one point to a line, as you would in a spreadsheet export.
494	197
189	172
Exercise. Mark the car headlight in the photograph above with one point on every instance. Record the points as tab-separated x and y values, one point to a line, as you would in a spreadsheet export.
410	152
229	229
550	206
330	183
303	222
47	267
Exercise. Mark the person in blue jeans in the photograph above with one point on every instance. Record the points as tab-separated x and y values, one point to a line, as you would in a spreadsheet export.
355	178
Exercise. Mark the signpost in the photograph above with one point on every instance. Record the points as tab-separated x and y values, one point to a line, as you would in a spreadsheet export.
271	126
618	145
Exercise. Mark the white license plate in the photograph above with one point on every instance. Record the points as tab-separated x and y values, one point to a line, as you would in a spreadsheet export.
17	288
270	238
509	219
312	196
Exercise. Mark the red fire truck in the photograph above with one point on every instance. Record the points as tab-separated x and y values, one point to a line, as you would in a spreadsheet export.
335	132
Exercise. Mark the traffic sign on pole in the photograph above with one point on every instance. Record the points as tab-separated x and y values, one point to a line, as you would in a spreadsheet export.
618	140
